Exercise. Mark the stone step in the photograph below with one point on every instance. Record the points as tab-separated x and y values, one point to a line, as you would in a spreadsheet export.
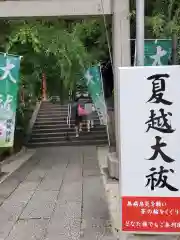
55	113
53	110
54	107
64	127
45	111
60	118
57	105
52	114
48	112
57	117
60	133
53	104
76	142
51	119
50	109
59	121
83	137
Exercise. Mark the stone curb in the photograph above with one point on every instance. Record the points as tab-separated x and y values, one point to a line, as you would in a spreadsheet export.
111	190
15	161
11	158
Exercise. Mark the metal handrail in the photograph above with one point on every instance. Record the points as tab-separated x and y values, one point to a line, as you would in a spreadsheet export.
69	112
69	116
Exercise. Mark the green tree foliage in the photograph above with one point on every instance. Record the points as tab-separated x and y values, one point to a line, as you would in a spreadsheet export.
95	35
162	18
165	19
48	49
61	49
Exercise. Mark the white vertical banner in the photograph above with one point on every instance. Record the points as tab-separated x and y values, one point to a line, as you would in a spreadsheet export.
150	149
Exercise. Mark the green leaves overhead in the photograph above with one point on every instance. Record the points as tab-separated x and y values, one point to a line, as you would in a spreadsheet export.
49	49
61	49
165	18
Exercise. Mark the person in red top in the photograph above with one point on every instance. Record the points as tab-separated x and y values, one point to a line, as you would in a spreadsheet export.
78	119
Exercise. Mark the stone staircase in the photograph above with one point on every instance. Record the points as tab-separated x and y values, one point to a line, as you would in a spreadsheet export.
51	129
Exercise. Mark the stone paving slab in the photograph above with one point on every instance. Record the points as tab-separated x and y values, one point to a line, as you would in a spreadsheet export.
41	205
27	186
7	187
53	178
28	230
91	171
14	205
70	193
152	237
36	175
96	224
26	168
88	151
97	233
44	165
93	195
49	184
14	162
21	194
68	213
2	199
11	210
73	175
66	222
57	170
5	227
90	163
13	181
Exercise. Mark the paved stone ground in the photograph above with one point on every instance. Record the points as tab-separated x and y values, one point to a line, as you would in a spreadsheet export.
56	195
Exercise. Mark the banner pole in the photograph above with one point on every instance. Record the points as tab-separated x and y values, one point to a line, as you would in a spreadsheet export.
107	127
140	32
135	55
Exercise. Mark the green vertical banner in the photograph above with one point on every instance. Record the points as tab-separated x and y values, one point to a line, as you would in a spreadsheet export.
157	52
95	88
9	81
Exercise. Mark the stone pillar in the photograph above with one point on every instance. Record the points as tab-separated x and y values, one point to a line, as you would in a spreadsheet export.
121	57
